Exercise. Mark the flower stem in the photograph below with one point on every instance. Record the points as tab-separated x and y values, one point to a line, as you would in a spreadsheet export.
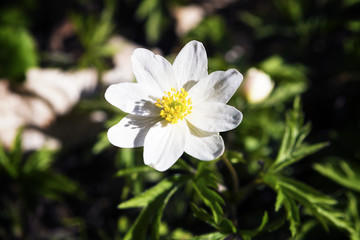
233	173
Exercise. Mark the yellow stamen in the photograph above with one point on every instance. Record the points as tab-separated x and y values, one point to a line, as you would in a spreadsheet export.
174	105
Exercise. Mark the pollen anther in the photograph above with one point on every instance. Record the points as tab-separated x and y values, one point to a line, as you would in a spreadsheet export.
174	105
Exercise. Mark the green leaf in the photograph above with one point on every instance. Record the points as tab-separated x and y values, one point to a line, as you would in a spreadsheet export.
354	215
5	163
148	222
248	234
320	205
154	26
299	154
16	150
101	144
303	190
292	147
146	8
211	236
204	184
305	228
153	193
40	160
132	170
18	52
283	92
342	173
225	225
202	214
292	212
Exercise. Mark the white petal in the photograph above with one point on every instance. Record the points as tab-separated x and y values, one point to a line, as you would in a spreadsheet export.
164	144
133	98
203	145
191	64
219	86
153	70
131	131
215	117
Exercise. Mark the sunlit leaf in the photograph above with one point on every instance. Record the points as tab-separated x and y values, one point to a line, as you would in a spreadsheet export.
293	148
153	193
211	236
204	185
147	223
39	161
342	173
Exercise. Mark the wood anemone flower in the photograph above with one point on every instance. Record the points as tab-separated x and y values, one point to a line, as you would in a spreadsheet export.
174	108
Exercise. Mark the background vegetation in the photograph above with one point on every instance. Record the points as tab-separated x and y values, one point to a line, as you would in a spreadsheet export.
291	170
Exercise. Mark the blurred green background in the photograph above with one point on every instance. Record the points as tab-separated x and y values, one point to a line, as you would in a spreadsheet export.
309	48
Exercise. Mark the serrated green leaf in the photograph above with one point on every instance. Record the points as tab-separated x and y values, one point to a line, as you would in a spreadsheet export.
336	218
283	199
342	173
292	215
292	148
305	191
148	222
204	184
202	214
208	198
151	194
297	155
132	170
225	225
320	205
353	214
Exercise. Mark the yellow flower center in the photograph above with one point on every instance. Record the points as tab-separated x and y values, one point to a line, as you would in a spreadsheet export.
175	105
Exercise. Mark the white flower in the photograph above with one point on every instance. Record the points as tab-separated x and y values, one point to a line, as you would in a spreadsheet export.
257	85
174	108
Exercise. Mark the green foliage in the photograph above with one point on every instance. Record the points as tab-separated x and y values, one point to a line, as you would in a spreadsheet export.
29	178
93	33
154	201
291	80
248	234
353	212
156	17
201	32
34	174
290	191
211	236
17	53
292	148
204	185
128	171
262	187
341	172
